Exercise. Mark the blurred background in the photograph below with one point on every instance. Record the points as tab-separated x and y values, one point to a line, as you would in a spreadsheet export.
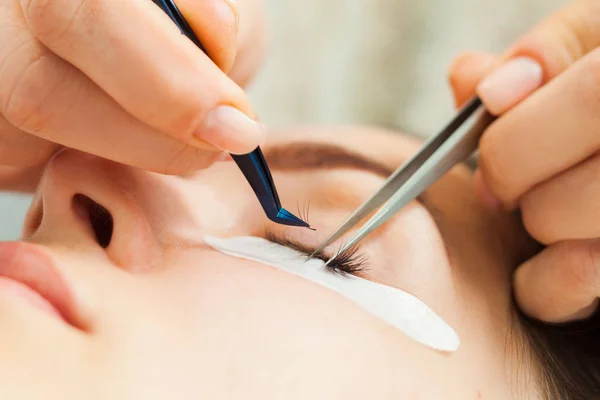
379	62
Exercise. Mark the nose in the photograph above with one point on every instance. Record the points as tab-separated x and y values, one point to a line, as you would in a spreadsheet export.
86	201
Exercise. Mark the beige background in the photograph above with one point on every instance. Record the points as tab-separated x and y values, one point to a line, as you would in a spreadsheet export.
365	61
378	61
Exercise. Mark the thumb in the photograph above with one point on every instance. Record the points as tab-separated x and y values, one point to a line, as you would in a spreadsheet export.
562	283
465	73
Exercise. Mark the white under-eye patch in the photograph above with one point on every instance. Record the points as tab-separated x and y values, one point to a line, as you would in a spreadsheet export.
396	307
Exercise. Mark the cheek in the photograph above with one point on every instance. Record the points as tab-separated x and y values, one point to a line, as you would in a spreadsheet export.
241	315
411	248
269	334
216	201
416	260
233	292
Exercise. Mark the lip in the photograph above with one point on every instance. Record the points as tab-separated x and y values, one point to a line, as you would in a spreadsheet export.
32	270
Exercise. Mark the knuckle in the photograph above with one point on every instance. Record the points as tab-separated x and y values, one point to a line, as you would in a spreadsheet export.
580	29
23	102
181	103
55	21
184	110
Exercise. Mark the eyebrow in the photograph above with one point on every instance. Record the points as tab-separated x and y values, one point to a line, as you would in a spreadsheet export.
307	156
304	156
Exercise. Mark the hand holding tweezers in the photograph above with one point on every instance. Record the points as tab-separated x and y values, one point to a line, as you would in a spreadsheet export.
253	165
439	154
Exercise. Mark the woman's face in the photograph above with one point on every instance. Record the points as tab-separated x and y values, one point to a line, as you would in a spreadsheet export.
158	314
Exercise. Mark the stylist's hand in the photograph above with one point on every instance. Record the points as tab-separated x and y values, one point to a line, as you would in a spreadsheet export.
117	79
543	154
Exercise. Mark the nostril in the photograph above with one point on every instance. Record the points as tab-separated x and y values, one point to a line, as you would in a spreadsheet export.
100	218
34	219
38	217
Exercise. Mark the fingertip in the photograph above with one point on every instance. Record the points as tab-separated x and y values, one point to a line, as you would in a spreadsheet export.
531	296
456	76
464	61
216	24
510	84
466	71
555	285
583	314
229	129
528	303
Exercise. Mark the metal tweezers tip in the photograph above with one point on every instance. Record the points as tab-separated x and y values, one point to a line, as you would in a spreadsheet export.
331	260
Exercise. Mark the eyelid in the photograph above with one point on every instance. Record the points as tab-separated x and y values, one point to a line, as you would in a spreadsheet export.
436	214
350	262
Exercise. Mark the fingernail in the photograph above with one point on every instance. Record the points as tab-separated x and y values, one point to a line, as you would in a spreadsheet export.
509	84
229	129
233	5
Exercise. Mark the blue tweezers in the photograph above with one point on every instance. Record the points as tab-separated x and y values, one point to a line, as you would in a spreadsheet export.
253	165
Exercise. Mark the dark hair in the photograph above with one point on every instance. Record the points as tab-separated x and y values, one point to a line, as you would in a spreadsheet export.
568	356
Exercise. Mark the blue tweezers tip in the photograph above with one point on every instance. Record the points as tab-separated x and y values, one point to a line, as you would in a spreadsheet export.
253	165
287	218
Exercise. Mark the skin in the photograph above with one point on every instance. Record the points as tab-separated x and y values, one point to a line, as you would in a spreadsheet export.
541	156
145	324
54	58
159	315
49	50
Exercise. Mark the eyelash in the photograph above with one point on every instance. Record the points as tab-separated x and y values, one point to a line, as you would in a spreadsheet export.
350	262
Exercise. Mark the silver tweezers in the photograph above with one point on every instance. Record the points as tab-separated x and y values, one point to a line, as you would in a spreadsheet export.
454	144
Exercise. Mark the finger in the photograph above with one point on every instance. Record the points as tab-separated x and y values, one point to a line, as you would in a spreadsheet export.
551	131
562	283
54	101
149	68
563	208
562	38
19	149
465	73
251	41
24	180
509	84
216	24
483	193
554	44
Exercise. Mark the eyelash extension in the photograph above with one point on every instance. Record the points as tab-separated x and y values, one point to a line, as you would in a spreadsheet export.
304	213
350	262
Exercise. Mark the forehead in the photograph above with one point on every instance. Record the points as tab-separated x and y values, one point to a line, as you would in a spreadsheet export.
386	147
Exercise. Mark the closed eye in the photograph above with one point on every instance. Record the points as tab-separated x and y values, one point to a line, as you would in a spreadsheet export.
349	262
